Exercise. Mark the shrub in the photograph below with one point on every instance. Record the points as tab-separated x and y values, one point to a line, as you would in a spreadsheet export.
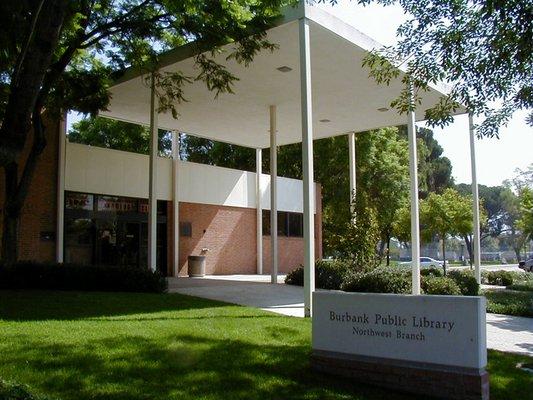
440	285
379	280
522	286
53	276
509	302
466	281
15	391
328	274
516	276
431	271
500	278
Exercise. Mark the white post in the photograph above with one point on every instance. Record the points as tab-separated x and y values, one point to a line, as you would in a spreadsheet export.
475	196
259	210
307	164
273	198
175	201
415	228
60	220
351	156
152	199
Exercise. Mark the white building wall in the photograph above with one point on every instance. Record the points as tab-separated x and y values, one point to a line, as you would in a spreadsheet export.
104	171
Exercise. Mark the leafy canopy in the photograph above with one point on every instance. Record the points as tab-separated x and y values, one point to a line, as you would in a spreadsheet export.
482	49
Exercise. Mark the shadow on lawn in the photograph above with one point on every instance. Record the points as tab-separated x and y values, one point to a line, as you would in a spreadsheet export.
181	367
31	305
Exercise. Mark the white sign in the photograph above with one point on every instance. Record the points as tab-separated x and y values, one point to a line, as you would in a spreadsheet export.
445	330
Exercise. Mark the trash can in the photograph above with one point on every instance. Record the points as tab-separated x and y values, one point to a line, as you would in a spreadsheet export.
196	266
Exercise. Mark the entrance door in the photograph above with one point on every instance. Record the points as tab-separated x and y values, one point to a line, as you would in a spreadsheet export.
129	233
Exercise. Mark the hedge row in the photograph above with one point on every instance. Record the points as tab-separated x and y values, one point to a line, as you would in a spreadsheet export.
53	276
335	275
505	278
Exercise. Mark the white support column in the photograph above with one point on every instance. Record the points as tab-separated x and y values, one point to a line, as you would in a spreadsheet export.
415	226
273	198
259	210
351	157
175	201
475	196
152	199
60	220
307	164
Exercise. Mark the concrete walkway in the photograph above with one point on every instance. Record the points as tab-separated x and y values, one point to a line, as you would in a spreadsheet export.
504	333
246	290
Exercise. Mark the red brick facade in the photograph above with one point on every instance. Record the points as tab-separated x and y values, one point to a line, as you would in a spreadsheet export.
38	221
228	232
230	235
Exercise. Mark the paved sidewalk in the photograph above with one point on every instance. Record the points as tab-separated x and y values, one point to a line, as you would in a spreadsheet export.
245	290
508	333
504	333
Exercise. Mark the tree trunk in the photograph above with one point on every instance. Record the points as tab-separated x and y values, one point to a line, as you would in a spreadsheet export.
468	243
388	250
517	253
381	249
444	254
10	217
23	113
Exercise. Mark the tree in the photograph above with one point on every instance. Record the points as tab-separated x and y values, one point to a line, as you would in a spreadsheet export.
62	55
444	215
482	48
118	135
492	200
205	151
525	223
360	235
383	172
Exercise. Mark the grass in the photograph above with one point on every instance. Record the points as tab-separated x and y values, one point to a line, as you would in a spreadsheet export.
509	302
69	345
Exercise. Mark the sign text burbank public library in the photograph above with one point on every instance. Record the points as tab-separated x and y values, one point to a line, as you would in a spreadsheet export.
375	324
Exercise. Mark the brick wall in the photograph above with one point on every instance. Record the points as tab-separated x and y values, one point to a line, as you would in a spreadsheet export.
39	211
228	232
230	235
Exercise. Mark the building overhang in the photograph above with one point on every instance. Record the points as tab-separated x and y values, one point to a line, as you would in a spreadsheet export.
345	99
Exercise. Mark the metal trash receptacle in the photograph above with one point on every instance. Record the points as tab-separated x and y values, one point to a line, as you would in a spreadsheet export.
196	266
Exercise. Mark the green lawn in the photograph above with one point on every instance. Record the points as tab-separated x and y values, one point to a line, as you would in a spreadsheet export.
166	346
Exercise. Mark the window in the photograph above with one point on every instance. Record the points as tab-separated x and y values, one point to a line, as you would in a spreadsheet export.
289	224
266	222
296	224
283	222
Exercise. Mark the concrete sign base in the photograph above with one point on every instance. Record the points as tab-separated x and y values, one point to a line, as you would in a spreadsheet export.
430	345
417	378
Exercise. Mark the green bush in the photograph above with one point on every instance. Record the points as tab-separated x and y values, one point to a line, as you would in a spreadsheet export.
15	391
440	285
466	281
500	278
431	271
53	276
495	276
522	286
509	302
328	274
379	280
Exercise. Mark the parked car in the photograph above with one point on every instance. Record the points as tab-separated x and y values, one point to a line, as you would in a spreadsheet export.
526	265
425	262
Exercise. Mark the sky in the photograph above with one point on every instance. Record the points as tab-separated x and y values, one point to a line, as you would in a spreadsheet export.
497	159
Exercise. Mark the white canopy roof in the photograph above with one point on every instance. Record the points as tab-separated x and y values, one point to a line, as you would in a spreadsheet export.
345	98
